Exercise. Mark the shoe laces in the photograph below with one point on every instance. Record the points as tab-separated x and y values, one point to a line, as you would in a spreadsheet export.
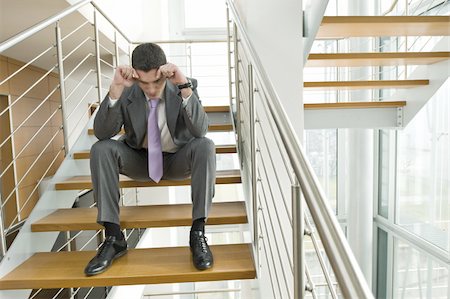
102	249
201	242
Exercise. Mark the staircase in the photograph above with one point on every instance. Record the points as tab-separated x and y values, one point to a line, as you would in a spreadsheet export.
372	113
64	269
139	266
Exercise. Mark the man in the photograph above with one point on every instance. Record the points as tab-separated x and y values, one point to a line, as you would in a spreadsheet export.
165	127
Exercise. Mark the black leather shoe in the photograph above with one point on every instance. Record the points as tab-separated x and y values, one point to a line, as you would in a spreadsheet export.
110	250
201	254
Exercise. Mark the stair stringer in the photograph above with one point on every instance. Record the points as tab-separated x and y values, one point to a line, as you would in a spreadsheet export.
27	242
417	97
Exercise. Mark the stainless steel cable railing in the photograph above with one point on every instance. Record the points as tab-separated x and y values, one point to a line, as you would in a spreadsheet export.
48	152
248	102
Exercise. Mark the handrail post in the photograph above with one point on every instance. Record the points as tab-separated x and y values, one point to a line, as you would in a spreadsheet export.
116	50
62	88
236	85
298	223
254	172
97	57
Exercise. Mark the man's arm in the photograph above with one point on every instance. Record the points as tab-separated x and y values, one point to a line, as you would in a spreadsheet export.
194	115
108	120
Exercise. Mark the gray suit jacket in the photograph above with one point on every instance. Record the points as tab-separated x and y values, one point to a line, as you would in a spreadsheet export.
184	123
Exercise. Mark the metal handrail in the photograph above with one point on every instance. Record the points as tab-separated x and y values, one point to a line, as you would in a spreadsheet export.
40	26
345	267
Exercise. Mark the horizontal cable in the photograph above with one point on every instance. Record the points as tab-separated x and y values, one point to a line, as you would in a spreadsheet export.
29	169
74	31
20	126
57	294
79	120
271	255
68	241
106	49
321	259
38	183
107	77
107	63
78	85
77	47
92	238
80	102
27	64
279	224
78	65
28	90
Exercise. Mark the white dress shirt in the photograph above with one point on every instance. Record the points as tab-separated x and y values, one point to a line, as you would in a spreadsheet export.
167	143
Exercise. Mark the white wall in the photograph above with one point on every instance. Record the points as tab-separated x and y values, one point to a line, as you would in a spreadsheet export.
275	29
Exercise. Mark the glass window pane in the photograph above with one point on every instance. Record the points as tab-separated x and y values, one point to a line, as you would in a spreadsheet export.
382	264
423	171
321	150
416	275
204	14
383	173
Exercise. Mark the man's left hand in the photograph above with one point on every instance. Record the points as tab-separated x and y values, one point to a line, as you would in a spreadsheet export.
173	73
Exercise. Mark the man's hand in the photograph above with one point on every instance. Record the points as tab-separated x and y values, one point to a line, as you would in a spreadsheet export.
173	73
124	76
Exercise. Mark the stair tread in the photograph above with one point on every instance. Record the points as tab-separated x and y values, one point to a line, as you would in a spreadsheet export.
141	217
358	26
220	149
354	105
232	176
374	59
139	266
365	84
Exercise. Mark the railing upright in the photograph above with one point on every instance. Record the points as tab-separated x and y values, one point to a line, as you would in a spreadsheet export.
62	88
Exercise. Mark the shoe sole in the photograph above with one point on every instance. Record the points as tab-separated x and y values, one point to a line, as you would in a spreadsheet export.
120	254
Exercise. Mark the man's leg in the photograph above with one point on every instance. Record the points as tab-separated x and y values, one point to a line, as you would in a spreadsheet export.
108	159
197	158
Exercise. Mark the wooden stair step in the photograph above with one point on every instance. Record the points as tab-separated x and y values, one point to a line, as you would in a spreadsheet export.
211	128
333	27
220	149
369	84
220	120
374	59
355	105
84	182
138	266
141	217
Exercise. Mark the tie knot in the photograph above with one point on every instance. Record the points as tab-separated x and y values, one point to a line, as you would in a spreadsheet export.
154	102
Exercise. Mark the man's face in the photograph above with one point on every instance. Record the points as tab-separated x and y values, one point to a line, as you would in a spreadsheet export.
151	82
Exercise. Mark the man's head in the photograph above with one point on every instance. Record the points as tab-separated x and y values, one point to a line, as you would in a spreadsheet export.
146	60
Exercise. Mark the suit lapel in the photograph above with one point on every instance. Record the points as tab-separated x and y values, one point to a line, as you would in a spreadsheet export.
137	112
173	106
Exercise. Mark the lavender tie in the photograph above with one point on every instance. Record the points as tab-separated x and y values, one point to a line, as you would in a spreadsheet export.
155	161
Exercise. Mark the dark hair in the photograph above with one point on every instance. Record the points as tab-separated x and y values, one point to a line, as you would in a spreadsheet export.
147	57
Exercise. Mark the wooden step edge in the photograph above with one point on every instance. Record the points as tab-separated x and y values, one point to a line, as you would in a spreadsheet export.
211	128
77	219
365	84
355	105
220	149
336	27
374	59
84	182
217	109
384	19
139	266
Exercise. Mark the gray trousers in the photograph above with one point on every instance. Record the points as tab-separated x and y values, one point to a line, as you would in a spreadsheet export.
109	158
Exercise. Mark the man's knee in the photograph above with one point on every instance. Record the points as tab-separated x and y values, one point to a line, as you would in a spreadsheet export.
102	148
204	146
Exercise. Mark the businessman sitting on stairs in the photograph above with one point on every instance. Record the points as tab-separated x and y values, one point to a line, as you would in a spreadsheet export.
165	127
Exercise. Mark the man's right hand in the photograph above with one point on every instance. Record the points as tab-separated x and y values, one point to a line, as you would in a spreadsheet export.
124	76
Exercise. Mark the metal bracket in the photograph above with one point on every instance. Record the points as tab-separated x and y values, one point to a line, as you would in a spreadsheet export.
400	117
